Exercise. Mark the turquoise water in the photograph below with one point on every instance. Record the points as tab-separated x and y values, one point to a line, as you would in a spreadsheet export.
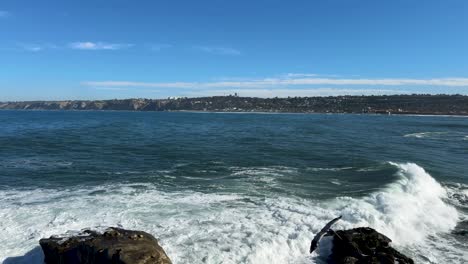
234	188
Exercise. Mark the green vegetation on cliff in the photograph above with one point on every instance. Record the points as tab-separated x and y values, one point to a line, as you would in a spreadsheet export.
395	104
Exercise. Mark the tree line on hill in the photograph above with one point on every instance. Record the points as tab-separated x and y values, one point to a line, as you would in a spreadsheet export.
383	104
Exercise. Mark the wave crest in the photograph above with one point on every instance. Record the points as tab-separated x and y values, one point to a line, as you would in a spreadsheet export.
230	227
407	210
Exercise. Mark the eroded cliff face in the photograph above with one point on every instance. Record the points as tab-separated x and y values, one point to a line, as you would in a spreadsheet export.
129	104
395	104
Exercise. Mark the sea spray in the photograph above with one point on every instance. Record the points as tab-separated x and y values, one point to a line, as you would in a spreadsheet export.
407	210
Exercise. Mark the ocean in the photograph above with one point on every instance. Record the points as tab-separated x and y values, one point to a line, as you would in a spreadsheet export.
234	187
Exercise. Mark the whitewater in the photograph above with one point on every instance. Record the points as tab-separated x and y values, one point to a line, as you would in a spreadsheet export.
414	211
227	188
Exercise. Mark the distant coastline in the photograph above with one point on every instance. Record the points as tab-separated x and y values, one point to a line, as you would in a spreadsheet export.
417	104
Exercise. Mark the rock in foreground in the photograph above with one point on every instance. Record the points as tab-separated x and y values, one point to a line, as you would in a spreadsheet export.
364	246
115	245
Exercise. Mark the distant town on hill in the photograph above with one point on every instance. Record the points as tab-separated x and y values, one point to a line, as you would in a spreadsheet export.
423	104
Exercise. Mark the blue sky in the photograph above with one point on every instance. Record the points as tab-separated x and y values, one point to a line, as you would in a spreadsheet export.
65	49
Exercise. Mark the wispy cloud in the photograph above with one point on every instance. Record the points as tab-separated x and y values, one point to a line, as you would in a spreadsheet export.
289	82
159	47
4	14
33	48
269	93
218	50
296	75
111	88
36	47
308	75
98	46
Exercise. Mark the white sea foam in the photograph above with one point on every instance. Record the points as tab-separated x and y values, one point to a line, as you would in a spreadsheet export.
262	171
441	135
458	194
329	169
335	181
424	134
407	210
262	175
234	228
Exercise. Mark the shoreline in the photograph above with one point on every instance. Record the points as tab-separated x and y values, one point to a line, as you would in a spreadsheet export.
239	112
417	104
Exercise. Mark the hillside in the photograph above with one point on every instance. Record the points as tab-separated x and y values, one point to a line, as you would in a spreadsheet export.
395	104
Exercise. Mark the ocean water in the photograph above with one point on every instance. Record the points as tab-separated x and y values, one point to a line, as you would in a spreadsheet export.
234	188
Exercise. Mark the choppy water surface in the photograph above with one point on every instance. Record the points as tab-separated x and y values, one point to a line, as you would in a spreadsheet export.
234	188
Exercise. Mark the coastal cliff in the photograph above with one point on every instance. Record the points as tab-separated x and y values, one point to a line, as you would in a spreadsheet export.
394	104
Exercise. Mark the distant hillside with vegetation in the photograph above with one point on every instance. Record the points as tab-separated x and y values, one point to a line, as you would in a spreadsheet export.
384	104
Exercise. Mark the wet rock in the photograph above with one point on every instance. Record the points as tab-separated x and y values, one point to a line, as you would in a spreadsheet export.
364	246
461	229
115	245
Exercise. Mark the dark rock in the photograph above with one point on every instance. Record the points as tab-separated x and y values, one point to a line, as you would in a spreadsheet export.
115	245
461	229
460	232
364	246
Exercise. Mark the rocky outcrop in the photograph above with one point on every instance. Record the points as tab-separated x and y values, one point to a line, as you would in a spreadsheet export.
364	246
115	245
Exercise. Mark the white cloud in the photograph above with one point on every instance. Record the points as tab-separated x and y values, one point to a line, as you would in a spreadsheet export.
288	82
269	93
98	46
34	47
218	50
296	75
4	14
111	88
308	75
159	47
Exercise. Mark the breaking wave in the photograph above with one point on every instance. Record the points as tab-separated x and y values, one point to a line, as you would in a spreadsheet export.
193	227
